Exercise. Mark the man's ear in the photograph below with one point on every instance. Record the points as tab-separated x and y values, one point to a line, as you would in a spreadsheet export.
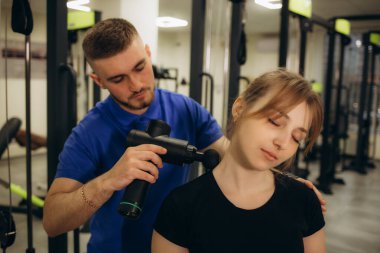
97	80
237	108
147	50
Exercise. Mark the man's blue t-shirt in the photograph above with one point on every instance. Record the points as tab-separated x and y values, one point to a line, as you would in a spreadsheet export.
98	142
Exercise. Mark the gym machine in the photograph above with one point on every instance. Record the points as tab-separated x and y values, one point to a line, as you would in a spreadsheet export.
362	161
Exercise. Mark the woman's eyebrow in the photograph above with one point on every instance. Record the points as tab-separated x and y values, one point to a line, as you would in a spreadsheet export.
283	114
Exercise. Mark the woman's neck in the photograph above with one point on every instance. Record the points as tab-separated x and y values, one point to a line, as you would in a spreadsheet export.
240	179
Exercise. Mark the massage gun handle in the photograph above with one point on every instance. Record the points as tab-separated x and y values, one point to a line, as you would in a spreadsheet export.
133	200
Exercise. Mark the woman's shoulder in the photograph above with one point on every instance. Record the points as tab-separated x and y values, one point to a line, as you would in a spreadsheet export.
292	187
192	190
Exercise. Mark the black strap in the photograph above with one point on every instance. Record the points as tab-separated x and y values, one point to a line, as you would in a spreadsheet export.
22	19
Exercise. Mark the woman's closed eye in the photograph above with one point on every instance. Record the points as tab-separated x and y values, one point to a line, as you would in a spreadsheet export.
298	137
296	140
276	121
273	122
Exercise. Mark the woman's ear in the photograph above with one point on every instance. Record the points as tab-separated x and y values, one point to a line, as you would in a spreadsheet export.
237	108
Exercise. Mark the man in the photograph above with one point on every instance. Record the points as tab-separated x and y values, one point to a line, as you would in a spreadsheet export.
95	165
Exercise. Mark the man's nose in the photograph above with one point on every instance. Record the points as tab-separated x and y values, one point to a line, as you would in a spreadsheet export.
135	85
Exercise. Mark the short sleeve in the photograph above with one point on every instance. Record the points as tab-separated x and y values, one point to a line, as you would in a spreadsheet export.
208	129
76	161
171	221
313	214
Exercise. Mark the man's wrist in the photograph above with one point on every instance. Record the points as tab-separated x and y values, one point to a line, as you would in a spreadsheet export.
86	199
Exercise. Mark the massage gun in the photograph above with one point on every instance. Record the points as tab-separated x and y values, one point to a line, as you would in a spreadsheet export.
178	152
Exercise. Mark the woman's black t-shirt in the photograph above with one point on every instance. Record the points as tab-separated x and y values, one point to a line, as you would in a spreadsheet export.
199	217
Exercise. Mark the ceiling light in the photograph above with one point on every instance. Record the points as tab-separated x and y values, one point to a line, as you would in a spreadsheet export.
269	4
170	22
78	5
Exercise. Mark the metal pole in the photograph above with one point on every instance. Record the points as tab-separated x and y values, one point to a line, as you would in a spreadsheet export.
304	28
235	33
369	163
303	42
359	166
284	33
197	48
56	55
28	55
336	137
325	165
376	51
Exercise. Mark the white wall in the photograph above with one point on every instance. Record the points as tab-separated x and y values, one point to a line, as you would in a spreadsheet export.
177	46
262	55
142	14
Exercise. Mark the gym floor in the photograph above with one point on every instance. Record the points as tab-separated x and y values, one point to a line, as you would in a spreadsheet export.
352	221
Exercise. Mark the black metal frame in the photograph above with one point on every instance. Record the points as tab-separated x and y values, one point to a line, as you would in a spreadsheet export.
344	41
367	162
96	94
197	48
359	158
326	150
57	44
361	161
284	33
305	26
330	153
330	146
375	52
234	65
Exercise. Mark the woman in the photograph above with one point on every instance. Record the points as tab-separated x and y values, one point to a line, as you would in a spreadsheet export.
245	204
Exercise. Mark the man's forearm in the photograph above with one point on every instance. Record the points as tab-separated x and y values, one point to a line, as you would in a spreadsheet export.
65	211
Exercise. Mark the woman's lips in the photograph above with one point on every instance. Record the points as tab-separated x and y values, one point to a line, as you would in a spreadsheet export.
269	155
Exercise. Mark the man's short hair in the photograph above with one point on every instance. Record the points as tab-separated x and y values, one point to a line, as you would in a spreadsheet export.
108	38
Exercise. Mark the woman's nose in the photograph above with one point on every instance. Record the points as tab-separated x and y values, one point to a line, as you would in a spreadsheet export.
281	140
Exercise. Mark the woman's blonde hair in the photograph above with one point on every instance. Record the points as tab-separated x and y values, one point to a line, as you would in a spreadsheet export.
289	89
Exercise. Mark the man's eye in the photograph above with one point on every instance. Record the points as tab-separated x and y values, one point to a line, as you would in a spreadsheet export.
118	79
140	68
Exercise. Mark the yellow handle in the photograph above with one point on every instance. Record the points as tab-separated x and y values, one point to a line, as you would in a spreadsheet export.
22	193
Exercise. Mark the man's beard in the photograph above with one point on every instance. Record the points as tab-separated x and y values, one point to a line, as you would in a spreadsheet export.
141	106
